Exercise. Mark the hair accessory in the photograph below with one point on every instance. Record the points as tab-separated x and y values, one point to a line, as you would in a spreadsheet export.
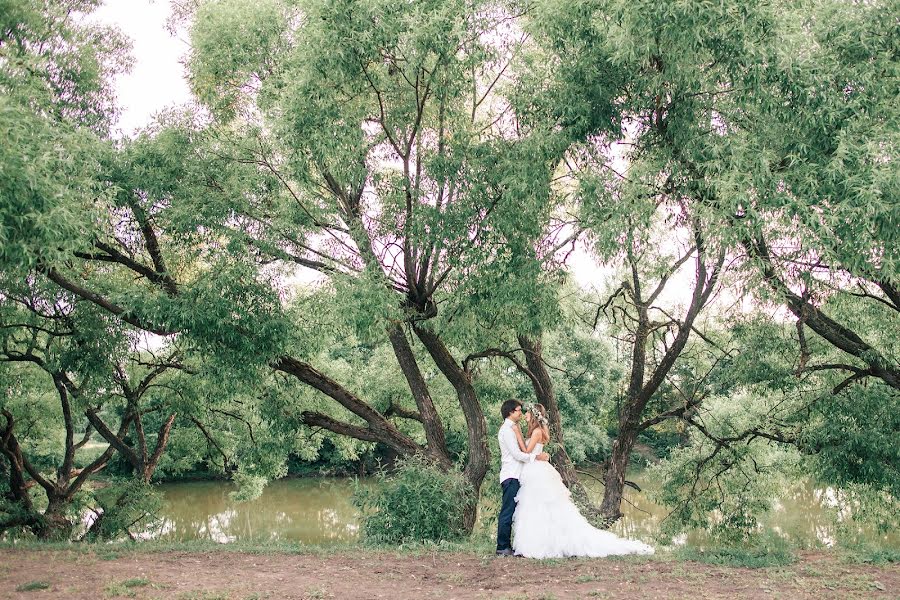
537	415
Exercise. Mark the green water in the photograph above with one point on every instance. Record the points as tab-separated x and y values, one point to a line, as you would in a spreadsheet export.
310	511
318	511
805	516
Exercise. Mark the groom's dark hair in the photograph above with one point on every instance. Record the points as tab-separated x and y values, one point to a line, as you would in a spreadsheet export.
508	407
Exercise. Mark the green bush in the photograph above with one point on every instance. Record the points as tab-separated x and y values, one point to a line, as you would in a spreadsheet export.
416	502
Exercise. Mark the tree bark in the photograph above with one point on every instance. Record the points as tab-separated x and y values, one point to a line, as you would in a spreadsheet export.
543	389
162	440
378	428
53	524
9	446
479	456
115	441
431	421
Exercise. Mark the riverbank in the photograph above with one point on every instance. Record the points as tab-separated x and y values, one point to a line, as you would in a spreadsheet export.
355	573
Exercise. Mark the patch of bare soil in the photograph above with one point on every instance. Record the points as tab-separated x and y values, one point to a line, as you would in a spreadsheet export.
78	575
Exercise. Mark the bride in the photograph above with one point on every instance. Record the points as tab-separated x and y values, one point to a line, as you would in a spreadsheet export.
546	523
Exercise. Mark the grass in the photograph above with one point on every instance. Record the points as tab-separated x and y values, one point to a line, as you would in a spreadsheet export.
480	546
32	586
752	558
872	554
454	578
757	554
762	553
125	588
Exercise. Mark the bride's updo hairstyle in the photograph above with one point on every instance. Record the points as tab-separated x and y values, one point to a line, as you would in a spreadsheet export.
539	419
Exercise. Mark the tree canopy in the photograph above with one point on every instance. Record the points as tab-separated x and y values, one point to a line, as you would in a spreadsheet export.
361	238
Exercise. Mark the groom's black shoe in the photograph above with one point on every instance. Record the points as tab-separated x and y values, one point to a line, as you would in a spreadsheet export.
506	552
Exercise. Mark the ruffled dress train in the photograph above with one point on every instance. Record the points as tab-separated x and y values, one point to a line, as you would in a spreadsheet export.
547	524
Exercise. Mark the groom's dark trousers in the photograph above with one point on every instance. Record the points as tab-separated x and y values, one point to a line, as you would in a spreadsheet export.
507	508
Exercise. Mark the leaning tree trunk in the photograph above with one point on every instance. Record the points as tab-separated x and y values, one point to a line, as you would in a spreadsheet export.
543	389
837	334
479	456
377	428
142	463
427	415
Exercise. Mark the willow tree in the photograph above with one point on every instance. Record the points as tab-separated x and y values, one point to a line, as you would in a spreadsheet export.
811	164
55	107
393	173
820	223
68	365
769	130
362	140
644	210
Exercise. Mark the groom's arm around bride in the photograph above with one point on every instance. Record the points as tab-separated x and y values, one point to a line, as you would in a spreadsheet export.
511	461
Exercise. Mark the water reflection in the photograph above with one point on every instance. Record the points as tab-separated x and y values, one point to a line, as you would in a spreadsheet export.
310	511
804	515
319	511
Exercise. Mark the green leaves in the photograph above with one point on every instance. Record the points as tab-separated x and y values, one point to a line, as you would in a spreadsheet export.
236	45
418	502
854	436
725	490
231	312
46	186
53	58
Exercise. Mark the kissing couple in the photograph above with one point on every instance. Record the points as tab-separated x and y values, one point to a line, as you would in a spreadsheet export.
537	512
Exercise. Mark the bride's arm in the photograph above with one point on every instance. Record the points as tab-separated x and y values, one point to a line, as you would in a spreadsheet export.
536	435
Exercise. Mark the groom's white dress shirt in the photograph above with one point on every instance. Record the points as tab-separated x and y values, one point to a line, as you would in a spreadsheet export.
511	458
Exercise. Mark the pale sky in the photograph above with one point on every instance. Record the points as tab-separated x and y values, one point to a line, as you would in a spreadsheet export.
157	79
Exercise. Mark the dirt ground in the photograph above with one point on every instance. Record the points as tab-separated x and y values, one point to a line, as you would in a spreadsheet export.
76	575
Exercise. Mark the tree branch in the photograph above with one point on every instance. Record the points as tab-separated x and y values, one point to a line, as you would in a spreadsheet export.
102	302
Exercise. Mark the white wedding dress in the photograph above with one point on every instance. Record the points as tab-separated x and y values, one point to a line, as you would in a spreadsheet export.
547	524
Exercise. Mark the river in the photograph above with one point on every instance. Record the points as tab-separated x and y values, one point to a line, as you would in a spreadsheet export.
319	511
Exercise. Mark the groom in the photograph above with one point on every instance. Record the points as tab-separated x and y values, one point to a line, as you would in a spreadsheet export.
511	461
